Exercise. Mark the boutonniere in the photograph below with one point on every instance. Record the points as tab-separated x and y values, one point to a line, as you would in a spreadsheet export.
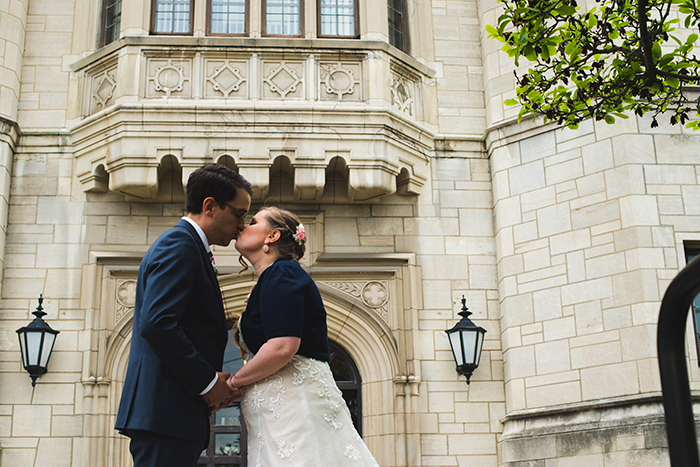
213	263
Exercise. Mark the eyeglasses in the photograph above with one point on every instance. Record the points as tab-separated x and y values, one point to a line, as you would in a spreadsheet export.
239	212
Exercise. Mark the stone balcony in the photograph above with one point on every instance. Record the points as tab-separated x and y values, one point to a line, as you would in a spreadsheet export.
303	120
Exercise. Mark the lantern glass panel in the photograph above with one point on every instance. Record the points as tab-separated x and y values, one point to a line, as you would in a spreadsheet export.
457	347
33	343
46	349
470	339
23	348
477	349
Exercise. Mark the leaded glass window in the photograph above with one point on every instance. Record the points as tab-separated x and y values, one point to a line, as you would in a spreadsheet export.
397	24
283	17
348	380
172	17
337	18
227	17
112	20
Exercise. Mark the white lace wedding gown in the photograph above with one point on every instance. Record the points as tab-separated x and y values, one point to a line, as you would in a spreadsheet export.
298	418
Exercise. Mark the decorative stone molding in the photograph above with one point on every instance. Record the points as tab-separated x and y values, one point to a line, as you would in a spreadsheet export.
125	297
283	79
374	294
226	78
103	88
169	77
311	104
402	94
340	80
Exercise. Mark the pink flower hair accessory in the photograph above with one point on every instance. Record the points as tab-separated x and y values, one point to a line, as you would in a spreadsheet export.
300	234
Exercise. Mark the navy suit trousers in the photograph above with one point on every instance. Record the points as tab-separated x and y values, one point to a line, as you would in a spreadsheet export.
150	449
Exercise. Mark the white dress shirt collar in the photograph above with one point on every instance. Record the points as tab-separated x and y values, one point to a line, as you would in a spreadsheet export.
199	230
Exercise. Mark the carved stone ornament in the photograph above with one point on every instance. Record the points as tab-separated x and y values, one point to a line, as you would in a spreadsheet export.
374	294
402	94
103	87
126	298
169	76
283	80
339	79
226	78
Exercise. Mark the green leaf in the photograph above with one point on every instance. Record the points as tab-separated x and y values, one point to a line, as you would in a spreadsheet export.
609	119
566	10
671	81
510	102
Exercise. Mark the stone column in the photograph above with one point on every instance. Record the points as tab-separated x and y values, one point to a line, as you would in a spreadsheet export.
13	19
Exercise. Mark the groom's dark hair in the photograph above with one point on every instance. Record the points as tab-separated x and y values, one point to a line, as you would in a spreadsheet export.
217	181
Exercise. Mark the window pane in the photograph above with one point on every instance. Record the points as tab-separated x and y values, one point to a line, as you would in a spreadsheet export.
227	444
340	370
228	16
173	16
338	17
282	17
396	23
113	17
230	416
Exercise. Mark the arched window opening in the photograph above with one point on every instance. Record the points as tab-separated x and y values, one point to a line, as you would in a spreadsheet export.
348	380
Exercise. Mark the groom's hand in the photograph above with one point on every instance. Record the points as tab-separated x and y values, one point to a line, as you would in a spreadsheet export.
219	393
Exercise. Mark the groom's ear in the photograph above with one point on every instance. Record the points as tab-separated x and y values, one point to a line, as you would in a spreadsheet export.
208	205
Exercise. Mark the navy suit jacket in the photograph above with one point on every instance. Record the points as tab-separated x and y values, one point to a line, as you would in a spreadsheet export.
178	339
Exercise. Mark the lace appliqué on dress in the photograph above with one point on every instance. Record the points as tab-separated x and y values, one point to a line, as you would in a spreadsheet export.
260	442
312	371
256	398
352	453
285	449
275	389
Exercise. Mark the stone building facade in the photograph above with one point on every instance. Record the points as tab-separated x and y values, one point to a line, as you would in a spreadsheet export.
387	134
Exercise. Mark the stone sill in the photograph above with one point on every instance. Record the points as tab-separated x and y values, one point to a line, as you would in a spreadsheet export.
270	44
613	411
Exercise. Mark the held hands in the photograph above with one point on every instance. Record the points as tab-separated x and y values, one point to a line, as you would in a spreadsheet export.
232	385
220	395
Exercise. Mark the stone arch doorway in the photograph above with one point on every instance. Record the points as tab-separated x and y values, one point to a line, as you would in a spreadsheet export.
370	337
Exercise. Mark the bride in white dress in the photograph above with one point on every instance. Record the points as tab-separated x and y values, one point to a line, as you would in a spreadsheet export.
295	413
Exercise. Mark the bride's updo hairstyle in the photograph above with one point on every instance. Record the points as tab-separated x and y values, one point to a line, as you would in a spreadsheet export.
291	245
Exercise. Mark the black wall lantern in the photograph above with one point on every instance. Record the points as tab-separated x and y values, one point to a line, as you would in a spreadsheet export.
466	340
36	343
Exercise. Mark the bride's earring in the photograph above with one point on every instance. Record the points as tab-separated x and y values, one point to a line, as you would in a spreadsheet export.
266	248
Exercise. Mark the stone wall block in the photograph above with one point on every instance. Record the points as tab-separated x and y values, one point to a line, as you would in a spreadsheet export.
669	175
633	149
609	381
55	452
31	420
525	449
538	147
553	220
472	444
599	213
597	157
527	177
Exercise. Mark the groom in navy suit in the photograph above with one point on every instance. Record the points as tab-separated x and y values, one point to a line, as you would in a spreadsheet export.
174	376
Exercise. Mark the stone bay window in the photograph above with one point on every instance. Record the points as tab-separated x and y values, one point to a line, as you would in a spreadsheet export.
304	119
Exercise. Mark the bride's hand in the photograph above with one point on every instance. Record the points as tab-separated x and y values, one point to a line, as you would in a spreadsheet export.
231	385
